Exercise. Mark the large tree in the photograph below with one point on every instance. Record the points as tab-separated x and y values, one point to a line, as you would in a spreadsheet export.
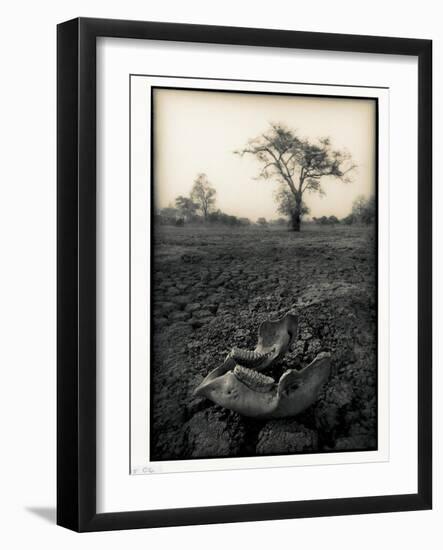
297	163
203	194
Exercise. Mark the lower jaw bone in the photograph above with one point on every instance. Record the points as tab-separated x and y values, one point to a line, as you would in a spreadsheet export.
257	395
253	379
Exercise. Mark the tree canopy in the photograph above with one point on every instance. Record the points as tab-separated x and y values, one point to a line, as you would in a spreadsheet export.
298	163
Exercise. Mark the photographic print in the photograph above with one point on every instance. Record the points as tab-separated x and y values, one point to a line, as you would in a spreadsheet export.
263	275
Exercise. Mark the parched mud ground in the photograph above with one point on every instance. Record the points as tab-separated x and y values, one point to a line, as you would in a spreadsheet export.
212	289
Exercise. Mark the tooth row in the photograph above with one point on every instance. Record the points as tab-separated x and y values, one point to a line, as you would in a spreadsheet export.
248	358
253	379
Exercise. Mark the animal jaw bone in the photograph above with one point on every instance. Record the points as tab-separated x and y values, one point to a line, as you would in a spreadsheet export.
255	395
253	379
274	338
250	359
237	384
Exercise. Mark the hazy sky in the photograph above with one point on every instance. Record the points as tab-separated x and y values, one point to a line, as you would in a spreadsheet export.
197	131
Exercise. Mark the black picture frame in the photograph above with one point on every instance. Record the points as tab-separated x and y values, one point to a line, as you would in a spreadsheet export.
76	273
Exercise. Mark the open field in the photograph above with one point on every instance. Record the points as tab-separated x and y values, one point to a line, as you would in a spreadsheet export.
213	286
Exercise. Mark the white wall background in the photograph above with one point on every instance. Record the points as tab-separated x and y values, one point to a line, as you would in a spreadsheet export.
27	274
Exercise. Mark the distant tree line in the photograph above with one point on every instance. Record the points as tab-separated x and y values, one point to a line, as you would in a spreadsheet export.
220	217
200	207
326	220
363	212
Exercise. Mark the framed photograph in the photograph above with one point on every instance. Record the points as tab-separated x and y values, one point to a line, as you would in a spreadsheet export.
244	274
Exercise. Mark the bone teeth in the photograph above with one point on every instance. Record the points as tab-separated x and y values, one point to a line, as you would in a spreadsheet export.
248	358
253	379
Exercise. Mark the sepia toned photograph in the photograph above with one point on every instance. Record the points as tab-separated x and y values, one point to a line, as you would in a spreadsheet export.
264	312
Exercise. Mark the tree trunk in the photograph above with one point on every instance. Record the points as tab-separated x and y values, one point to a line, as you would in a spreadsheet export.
296	218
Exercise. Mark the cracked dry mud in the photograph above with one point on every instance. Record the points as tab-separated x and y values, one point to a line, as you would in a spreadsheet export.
212	289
